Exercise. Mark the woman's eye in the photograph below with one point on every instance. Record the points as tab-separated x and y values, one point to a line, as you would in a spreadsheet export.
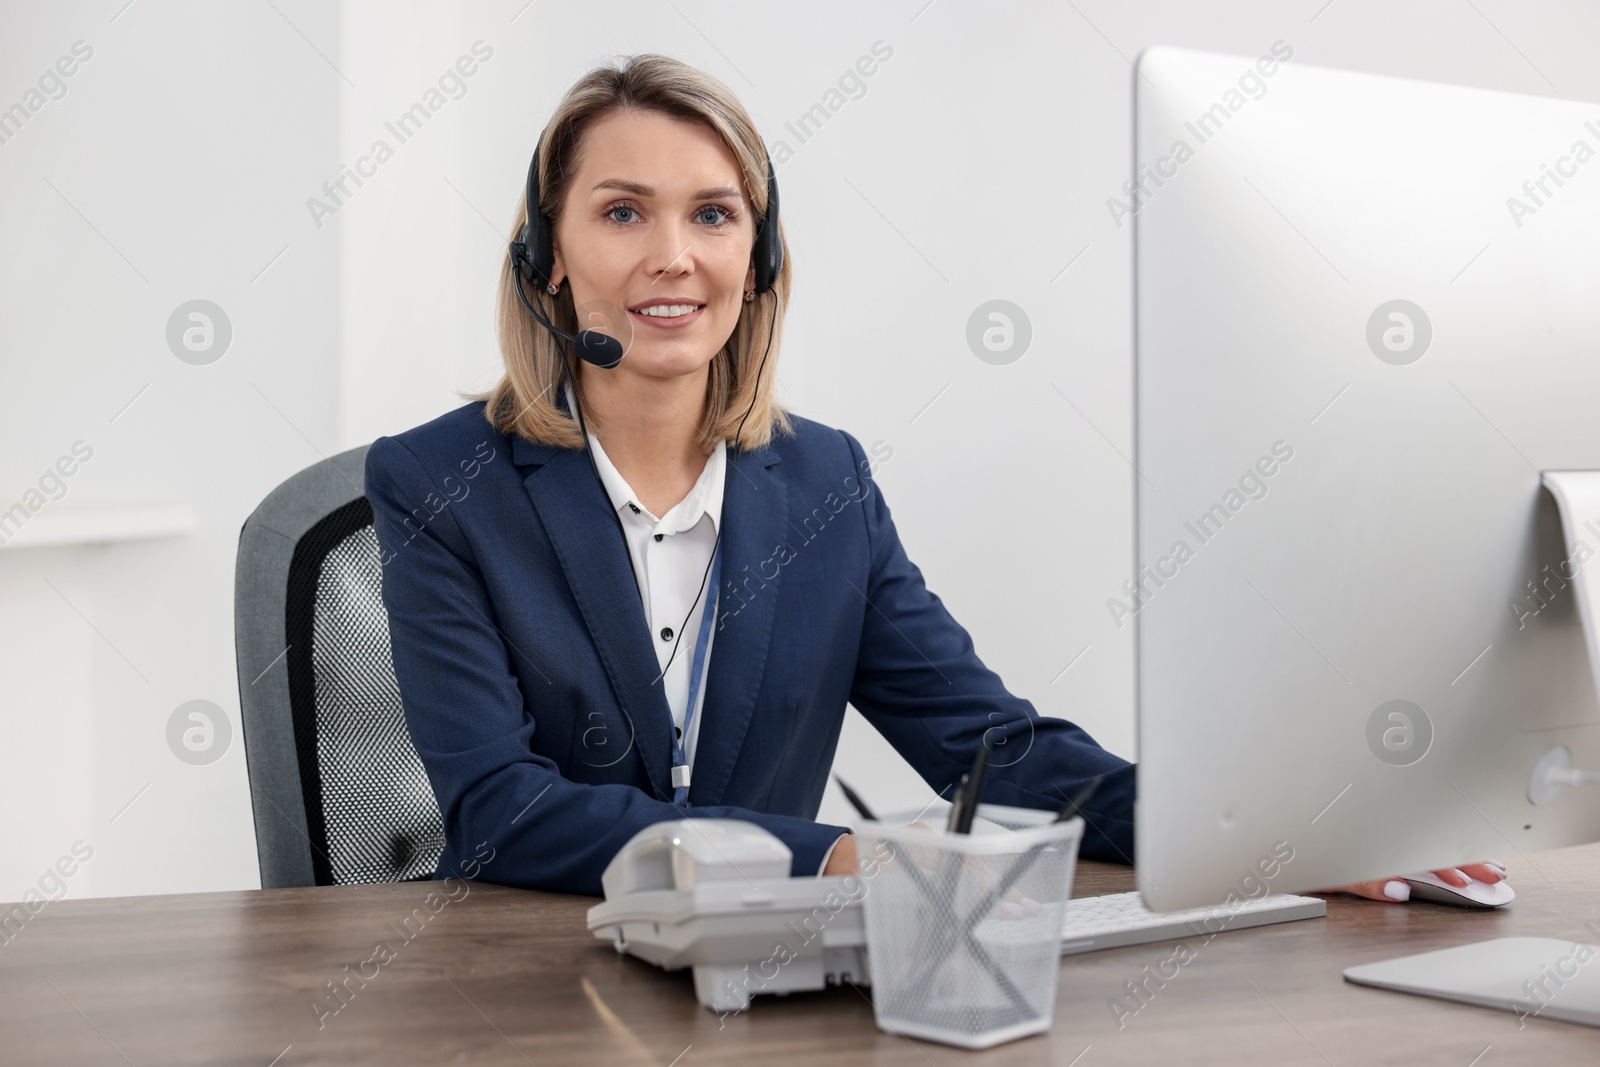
711	215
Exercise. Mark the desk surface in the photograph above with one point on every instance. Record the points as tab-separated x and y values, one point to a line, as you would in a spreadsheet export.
505	976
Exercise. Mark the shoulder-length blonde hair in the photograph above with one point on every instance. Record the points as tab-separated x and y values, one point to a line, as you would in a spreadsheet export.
523	402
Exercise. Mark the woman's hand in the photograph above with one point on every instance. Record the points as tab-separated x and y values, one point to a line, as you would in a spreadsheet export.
842	860
1394	890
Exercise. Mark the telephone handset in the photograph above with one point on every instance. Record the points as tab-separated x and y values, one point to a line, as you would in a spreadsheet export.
682	854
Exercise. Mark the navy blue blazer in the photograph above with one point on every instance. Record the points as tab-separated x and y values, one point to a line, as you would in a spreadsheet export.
529	678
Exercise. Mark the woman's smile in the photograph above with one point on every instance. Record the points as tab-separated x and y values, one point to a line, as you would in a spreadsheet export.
668	313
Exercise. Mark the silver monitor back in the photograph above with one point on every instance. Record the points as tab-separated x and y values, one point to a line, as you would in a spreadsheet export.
1367	319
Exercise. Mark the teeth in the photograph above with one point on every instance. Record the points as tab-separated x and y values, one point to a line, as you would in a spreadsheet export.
667	311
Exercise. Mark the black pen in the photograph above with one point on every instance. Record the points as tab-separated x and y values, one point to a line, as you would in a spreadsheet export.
980	771
855	801
973	791
969	791
1078	800
956	802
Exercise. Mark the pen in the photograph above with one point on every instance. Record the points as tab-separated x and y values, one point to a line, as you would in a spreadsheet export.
1078	800
855	801
957	801
980	771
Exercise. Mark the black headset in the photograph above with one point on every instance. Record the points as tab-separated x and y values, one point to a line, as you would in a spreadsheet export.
533	257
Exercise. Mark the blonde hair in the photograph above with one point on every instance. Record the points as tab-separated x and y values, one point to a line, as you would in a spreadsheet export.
523	401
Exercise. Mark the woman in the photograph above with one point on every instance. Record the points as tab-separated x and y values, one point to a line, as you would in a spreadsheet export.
671	621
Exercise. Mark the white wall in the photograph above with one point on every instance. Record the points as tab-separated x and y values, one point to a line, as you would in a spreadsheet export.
976	166
174	168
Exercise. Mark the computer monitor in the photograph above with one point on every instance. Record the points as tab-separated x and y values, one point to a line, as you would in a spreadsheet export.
1367	325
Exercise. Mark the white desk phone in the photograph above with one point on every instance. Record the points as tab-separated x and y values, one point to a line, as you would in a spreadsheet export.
715	895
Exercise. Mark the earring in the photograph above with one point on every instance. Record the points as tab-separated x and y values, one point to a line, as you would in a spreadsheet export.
749	295
553	288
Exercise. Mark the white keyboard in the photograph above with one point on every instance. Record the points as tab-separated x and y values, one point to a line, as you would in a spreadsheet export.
1118	919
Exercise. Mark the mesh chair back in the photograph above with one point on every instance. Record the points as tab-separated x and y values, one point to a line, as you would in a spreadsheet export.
338	792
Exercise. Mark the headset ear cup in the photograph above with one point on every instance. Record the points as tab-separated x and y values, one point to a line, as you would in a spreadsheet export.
533	252
541	249
541	243
768	251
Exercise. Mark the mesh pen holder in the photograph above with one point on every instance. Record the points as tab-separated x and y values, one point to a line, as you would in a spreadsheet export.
964	930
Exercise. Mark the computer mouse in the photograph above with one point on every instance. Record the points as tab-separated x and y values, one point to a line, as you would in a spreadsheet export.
1475	894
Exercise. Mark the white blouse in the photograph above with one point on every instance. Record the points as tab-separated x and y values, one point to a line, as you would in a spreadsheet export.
671	554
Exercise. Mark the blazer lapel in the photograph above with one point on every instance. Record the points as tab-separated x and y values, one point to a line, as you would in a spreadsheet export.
755	514
572	506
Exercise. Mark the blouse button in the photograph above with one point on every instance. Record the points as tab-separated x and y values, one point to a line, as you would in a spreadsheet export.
660	536
666	633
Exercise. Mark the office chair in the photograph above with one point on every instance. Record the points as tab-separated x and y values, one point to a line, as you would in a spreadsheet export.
338	792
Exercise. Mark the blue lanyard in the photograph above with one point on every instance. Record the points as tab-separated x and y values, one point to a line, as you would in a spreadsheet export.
680	762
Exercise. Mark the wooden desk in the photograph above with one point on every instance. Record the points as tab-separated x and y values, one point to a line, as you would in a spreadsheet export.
504	976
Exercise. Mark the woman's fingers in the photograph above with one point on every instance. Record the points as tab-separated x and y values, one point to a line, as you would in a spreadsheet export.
1397	889
1018	905
1390	890
1490	871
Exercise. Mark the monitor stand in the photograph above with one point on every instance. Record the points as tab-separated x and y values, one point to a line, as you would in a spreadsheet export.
1532	976
1577	496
